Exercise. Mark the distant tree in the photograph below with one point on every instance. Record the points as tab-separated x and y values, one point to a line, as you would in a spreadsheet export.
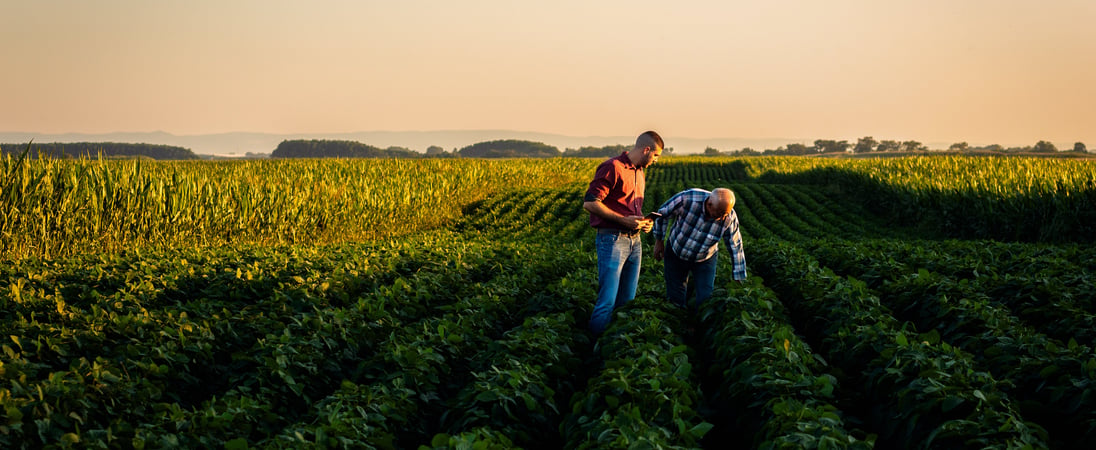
1044	147
746	151
607	151
710	151
1080	147
912	146
888	146
509	148
865	145
435	151
959	147
793	149
798	149
316	148
994	148
831	146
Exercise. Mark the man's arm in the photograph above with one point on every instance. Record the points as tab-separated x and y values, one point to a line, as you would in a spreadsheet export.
733	239
599	209
669	207
604	179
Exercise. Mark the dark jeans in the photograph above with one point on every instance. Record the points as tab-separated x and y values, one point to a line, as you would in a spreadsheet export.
677	274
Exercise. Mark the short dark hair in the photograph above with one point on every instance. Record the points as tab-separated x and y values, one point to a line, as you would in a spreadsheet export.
649	139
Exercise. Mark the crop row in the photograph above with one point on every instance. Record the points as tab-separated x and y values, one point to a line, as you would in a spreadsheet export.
283	350
476	337
645	393
1051	293
1052	381
766	380
529	213
918	392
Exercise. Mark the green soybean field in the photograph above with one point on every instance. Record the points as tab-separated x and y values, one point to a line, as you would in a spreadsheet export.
904	303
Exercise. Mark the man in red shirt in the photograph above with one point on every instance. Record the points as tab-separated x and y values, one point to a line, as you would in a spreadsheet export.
615	203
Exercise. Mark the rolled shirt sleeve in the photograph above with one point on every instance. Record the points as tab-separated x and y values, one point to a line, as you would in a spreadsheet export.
604	179
732	237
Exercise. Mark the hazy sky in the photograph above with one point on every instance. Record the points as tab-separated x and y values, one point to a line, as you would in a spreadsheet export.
1010	72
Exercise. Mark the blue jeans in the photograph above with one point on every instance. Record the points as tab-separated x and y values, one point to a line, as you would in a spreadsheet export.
677	272
618	259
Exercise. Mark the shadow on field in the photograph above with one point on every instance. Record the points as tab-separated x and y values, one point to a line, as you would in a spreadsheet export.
1064	218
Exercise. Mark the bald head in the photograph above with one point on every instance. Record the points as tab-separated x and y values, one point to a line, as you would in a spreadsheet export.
720	202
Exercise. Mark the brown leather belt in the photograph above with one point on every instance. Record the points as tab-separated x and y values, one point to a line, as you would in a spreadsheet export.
617	231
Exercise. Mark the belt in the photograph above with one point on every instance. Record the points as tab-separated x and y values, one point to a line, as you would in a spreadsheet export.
617	231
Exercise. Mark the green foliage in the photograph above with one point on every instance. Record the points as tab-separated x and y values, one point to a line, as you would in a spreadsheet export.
775	387
646	395
52	208
468	329
928	391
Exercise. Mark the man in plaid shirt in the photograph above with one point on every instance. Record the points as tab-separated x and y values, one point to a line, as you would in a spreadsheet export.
701	219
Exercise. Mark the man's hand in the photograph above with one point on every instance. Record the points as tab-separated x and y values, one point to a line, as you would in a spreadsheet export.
660	248
636	223
627	222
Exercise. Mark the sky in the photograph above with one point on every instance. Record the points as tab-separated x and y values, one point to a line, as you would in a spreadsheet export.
1008	72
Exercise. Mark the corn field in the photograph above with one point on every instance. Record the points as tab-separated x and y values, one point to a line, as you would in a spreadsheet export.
53	208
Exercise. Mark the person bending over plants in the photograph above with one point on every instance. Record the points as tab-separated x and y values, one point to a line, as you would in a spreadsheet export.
700	220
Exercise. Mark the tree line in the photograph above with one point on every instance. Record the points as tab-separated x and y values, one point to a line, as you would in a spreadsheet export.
95	149
868	144
314	148
507	148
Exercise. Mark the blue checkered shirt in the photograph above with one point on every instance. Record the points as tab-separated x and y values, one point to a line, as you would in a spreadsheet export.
694	236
